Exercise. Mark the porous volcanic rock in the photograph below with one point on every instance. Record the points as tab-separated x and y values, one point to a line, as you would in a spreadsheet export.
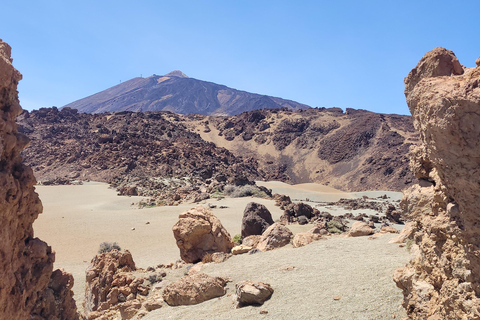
194	289
256	219
276	236
303	238
199	232
108	282
29	289
442	279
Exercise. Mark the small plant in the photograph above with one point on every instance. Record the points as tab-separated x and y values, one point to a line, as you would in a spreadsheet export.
334	227
243	191
207	258
153	278
237	239
409	244
108	246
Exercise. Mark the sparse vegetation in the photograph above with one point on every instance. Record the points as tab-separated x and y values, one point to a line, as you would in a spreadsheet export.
409	244
108	246
237	239
334	226
207	258
243	191
154	278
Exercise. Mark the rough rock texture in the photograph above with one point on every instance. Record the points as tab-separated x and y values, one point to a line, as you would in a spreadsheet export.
360	229
406	233
147	154
442	279
276	236
199	232
194	289
109	283
28	288
303	238
251	293
256	219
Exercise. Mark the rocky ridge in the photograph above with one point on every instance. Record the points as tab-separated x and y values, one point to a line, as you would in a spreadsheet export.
356	150
149	154
30	289
189	157
442	278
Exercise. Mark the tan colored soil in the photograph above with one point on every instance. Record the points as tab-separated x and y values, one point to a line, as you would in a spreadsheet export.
77	219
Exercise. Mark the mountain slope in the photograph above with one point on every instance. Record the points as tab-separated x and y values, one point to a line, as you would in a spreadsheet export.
178	93
356	150
353	151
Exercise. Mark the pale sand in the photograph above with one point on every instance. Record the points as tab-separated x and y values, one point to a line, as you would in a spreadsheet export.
77	219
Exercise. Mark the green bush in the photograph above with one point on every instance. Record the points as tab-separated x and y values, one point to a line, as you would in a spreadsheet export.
243	191
334	226
237	239
108	246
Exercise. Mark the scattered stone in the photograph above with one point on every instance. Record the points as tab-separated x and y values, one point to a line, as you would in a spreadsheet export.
360	229
287	268
251	241
388	229
263	311
304	238
336	298
251	293
194	289
241	249
275	236
219	257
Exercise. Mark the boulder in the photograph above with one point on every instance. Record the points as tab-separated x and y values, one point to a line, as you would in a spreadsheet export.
406	233
275	236
256	219
304	238
198	232
194	289
360	229
251	293
251	241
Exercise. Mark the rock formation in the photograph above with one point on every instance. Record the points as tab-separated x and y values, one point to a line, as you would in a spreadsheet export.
194	289
107	283
442	278
276	236
199	232
29	289
256	219
360	229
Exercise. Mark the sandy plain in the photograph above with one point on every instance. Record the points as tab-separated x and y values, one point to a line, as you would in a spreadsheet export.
77	218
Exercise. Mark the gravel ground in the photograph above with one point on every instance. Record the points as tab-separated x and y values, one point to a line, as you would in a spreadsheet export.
357	270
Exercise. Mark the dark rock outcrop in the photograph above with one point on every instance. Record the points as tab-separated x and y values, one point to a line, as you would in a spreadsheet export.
256	219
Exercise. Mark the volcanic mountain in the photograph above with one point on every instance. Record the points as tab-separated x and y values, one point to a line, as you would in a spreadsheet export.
178	93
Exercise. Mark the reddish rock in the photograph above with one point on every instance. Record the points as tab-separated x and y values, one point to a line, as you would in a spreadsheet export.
29	289
276	236
360	229
194	289
198	232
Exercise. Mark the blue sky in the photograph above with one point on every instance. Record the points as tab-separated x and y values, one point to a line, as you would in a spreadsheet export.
348	54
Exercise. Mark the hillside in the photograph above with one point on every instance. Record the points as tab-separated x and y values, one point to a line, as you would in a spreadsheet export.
355	150
173	156
148	154
178	93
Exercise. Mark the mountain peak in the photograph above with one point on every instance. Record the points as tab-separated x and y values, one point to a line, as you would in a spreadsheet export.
176	73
